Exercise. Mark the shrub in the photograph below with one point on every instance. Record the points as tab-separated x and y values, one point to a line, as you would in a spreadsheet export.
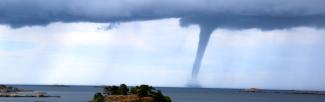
98	97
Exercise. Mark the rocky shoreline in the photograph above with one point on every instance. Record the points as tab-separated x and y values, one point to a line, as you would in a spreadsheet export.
255	90
23	95
10	91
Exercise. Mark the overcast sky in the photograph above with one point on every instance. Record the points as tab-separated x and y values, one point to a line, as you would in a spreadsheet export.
275	44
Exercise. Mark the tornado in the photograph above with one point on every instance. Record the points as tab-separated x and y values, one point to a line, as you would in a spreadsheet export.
205	33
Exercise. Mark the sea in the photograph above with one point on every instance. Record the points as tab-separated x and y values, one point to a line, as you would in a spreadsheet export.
85	93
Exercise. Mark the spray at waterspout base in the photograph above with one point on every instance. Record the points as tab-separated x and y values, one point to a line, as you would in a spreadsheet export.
193	84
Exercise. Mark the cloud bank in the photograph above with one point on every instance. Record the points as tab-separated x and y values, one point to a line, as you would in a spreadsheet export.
224	13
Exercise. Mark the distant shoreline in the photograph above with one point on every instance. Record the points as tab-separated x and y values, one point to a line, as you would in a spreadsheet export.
305	92
280	91
13	91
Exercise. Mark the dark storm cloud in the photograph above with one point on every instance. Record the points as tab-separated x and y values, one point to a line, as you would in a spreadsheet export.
263	22
224	13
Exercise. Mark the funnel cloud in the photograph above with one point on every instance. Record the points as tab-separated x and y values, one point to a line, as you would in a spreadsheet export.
205	33
208	23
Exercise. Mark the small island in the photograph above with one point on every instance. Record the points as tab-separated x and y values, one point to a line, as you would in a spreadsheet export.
306	92
142	93
11	91
252	90
8	89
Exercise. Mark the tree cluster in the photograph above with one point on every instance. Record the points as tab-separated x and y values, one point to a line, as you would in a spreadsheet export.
140	91
115	90
149	91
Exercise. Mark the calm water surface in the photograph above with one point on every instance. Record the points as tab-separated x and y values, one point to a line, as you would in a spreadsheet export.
85	93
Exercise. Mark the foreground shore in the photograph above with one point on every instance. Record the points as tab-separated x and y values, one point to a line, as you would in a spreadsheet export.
77	93
123	93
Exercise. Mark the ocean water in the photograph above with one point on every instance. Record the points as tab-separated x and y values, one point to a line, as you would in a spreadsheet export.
85	93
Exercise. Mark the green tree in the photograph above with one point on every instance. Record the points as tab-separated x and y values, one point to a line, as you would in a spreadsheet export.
135	90
107	90
115	90
158	96
123	89
98	97
145	90
111	90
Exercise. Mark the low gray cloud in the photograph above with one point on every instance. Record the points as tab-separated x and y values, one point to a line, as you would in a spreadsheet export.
224	13
263	22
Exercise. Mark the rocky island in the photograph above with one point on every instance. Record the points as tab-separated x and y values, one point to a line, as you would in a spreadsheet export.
142	93
11	91
306	92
